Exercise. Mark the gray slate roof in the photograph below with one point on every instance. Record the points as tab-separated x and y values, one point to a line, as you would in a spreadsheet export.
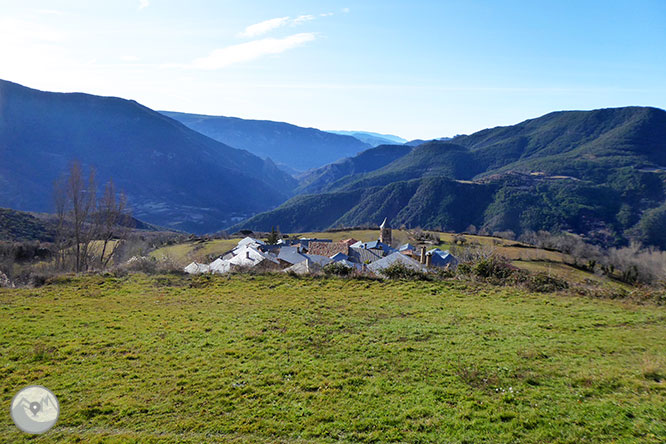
395	258
319	260
362	255
442	258
291	255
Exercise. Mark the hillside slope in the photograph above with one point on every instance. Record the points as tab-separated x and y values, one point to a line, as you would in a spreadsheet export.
296	147
173	176
598	173
319	179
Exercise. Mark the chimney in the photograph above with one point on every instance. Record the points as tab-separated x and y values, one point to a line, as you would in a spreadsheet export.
428	260
423	255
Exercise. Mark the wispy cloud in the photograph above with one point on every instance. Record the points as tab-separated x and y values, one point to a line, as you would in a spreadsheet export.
143	4
266	26
245	52
302	19
263	27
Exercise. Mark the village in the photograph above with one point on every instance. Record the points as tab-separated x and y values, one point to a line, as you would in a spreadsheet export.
310	256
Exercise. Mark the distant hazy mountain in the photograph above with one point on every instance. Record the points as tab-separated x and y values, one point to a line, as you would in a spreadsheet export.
373	139
289	145
599	173
417	142
173	176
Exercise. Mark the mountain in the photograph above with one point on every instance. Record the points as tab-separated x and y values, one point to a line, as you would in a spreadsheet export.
319	179
21	226
372	139
599	173
288	145
172	175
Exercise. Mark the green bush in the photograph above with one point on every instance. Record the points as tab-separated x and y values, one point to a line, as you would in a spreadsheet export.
337	269
401	271
543	283
494	267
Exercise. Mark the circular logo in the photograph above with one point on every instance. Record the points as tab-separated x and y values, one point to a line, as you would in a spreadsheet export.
35	409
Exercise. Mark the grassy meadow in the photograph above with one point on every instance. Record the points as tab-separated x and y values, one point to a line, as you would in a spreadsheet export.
268	358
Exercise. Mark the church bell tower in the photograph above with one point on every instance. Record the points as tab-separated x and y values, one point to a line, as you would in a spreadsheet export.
385	235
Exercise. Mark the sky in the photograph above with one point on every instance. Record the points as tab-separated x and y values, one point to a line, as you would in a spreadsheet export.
416	69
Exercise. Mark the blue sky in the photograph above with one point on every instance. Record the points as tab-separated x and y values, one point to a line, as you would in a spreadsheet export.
418	69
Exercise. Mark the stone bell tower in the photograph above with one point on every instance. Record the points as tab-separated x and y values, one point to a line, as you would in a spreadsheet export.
385	234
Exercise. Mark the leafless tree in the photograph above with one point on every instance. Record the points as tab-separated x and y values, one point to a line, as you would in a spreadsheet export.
113	221
81	194
61	235
85	224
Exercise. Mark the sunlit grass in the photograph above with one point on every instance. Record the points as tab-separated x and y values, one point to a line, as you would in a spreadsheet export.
281	359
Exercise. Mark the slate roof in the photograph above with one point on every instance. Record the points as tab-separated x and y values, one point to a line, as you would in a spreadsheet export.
394	258
349	242
442	258
291	255
349	264
250	240
327	249
197	268
248	256
305	267
220	266
339	257
407	247
318	259
377	245
362	255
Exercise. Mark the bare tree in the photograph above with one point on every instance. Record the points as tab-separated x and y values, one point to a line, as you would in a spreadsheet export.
81	194
89	230
61	233
113	221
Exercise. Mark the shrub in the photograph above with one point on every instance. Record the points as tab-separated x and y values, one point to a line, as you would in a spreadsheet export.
401	271
543	283
337	269
494	267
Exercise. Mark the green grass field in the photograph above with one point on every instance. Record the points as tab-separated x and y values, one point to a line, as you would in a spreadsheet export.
161	359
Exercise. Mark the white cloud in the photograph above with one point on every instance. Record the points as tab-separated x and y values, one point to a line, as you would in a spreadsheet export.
266	26
302	19
245	52
345	10
263	27
143	4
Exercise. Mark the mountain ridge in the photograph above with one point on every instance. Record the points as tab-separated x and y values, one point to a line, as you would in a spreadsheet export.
155	160
290	145
596	173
